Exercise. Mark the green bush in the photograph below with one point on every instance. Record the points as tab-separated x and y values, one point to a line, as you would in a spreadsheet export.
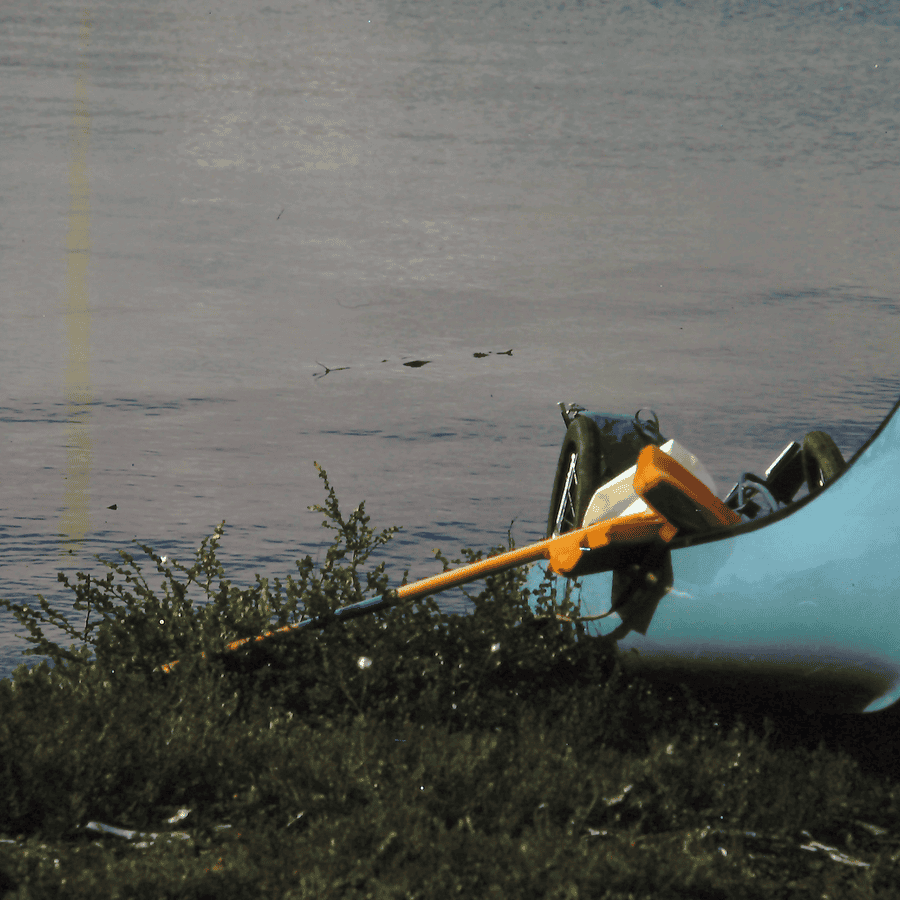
407	753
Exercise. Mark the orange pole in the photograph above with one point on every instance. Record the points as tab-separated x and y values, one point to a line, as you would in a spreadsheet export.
563	552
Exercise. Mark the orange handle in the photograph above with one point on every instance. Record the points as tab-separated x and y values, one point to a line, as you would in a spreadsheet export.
674	492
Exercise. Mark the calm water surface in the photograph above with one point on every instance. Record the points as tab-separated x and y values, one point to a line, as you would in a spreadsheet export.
207	206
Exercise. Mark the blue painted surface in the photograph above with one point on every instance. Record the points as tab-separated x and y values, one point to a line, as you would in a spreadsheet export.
806	601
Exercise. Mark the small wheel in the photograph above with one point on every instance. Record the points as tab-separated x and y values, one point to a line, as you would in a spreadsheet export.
822	460
576	476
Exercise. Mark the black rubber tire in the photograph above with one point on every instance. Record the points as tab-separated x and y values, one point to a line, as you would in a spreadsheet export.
822	460
583	439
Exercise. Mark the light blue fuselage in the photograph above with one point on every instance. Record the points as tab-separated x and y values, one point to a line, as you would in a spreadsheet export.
807	601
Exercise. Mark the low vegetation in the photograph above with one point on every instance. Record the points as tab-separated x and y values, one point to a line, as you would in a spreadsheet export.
408	753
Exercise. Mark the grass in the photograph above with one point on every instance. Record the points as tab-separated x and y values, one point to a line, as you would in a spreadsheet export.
408	753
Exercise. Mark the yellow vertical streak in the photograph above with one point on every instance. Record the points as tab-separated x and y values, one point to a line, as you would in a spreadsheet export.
75	521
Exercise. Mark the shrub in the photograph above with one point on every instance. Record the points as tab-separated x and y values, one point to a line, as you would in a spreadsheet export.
407	753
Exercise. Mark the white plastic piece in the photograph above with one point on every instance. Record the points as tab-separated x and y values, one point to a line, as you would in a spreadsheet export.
618	497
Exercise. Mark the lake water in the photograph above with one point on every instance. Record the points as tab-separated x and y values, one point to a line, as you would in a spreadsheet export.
206	207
